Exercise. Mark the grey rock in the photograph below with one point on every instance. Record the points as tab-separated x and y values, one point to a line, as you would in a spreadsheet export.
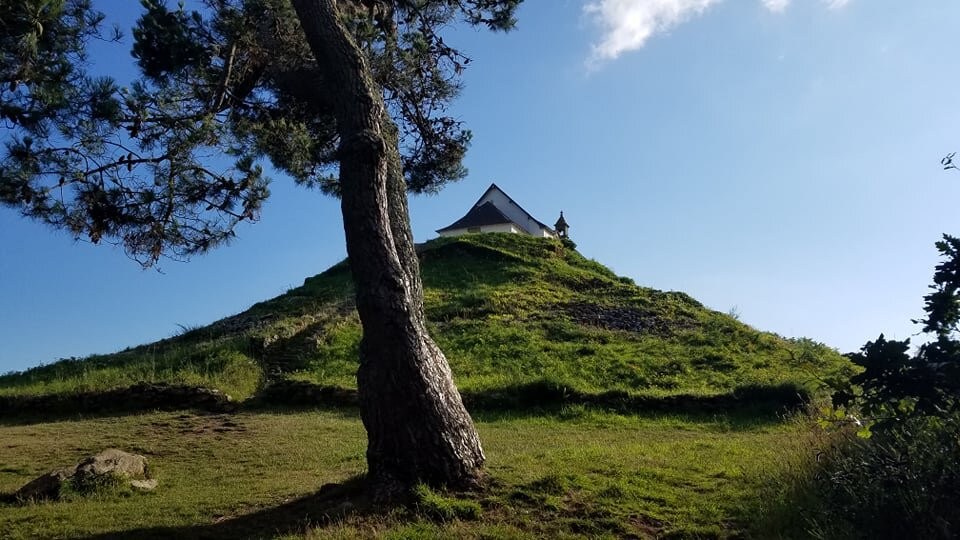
46	486
113	461
144	485
132	467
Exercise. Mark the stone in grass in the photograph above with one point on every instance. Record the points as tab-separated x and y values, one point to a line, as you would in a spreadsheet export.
108	468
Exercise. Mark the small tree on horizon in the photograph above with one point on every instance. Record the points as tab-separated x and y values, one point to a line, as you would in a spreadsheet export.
349	96
896	385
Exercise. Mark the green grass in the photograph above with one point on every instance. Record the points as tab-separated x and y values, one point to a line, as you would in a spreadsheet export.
664	427
580	472
215	365
834	484
499	305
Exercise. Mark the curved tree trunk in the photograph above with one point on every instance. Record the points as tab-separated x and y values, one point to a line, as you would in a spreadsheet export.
417	427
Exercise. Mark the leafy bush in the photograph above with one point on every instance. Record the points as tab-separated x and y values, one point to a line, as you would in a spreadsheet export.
896	386
898	476
901	483
895	484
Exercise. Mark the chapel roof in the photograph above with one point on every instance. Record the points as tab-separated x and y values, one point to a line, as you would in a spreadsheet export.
478	216
561	222
492	215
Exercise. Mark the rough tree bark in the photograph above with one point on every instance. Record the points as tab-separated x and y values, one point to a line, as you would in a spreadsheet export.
417	427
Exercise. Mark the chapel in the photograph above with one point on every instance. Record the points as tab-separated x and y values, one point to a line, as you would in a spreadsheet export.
495	211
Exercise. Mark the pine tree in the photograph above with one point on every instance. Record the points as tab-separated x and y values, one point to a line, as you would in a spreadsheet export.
348	96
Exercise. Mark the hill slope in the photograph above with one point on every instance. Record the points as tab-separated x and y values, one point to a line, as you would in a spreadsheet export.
508	310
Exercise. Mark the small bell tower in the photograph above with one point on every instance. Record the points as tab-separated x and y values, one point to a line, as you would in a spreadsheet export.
561	227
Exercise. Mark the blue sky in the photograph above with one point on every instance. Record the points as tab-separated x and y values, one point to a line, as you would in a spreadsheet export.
779	158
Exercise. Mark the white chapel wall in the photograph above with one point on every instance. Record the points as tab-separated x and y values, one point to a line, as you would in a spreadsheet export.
500	227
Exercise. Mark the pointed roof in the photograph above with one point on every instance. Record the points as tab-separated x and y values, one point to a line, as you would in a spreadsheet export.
494	186
561	222
485	214
477	217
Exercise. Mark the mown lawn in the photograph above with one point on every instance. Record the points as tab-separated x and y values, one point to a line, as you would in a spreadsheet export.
574	472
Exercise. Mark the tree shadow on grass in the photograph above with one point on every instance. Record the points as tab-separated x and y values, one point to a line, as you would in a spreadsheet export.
332	503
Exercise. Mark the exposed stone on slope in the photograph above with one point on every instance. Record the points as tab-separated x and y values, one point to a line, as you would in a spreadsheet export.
624	318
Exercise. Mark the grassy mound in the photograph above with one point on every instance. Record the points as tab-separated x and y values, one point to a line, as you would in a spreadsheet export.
606	410
508	310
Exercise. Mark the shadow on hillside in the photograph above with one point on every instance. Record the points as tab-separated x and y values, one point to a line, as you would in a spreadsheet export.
142	397
540	398
744	408
537	398
334	502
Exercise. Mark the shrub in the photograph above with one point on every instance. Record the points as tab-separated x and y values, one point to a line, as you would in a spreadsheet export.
895	385
901	483
896	484
893	467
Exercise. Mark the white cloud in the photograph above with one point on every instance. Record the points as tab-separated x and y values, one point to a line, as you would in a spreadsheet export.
835	4
776	6
628	24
